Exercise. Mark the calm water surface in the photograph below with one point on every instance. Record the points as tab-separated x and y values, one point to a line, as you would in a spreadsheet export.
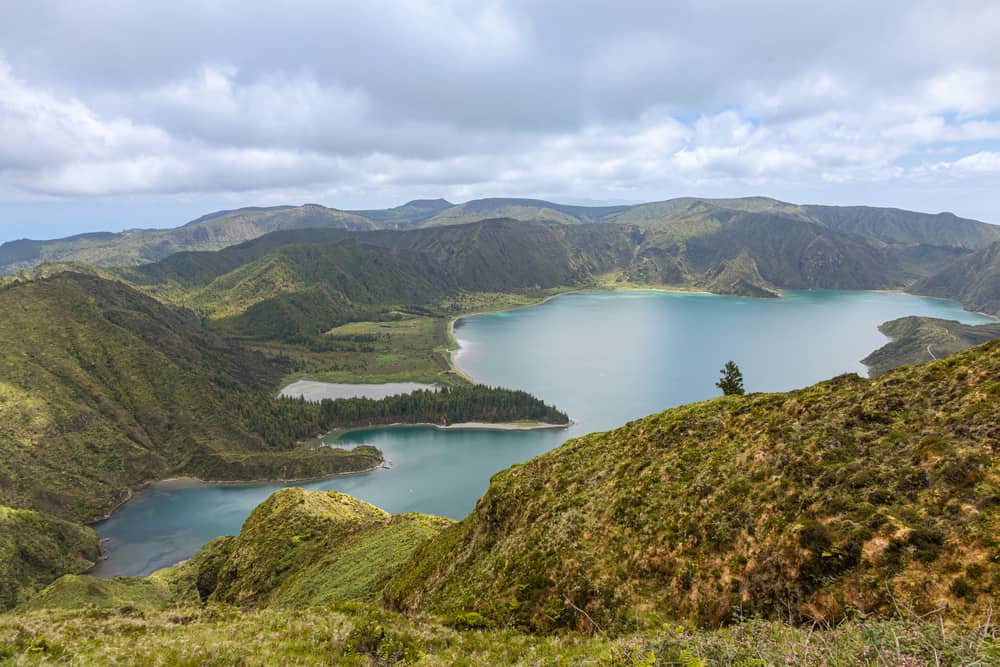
605	358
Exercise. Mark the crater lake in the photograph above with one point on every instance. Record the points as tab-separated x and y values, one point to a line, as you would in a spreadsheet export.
604	358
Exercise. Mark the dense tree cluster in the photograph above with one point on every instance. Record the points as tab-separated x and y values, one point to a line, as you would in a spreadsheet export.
290	419
448	405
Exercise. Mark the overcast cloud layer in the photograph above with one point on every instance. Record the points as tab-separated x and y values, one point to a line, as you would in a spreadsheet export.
116	114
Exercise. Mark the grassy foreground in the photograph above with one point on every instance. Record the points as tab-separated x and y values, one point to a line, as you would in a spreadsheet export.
363	635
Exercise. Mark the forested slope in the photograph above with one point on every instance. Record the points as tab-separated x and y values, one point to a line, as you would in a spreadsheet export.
103	387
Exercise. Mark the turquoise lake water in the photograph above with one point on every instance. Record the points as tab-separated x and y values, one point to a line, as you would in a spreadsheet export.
604	358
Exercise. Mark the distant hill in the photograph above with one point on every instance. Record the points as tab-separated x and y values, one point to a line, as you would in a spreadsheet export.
917	238
850	496
210	232
410	214
973	279
525	210
896	226
104	388
917	340
288	285
297	283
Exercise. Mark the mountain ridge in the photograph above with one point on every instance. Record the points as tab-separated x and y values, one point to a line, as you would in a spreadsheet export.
223	228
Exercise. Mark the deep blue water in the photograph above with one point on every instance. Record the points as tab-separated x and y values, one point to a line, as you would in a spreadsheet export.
605	358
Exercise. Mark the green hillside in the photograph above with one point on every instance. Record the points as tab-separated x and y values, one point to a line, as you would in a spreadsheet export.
850	496
291	286
896	226
303	548
36	548
756	244
104	388
294	285
740	277
917	340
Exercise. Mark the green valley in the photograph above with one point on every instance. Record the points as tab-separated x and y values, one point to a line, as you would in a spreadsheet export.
105	388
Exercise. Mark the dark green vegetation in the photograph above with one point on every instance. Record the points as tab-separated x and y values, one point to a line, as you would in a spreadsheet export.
851	496
449	405
35	548
916	340
103	388
731	382
209	232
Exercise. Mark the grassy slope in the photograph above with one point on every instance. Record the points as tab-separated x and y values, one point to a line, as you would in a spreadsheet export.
307	548
915	339
848	495
310	564
298	548
35	548
104	388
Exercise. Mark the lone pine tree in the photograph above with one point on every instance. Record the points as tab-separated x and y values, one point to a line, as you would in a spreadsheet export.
731	382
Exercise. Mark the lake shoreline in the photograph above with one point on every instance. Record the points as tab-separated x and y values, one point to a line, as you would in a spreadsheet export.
460	426
133	490
454	346
401	481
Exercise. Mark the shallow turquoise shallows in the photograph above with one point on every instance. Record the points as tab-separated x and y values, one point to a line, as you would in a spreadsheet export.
605	358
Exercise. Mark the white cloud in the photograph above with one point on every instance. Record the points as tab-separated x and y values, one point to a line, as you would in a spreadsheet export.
984	162
367	104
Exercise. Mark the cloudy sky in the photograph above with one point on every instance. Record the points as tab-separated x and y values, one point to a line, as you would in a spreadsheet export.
118	114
